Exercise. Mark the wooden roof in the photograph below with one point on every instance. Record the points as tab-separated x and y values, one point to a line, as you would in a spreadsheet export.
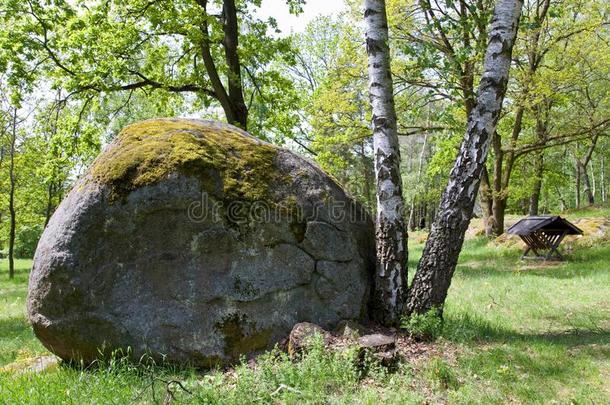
547	223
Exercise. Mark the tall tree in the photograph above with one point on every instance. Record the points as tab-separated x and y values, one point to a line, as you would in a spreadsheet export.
444	243
391	230
551	71
209	53
11	201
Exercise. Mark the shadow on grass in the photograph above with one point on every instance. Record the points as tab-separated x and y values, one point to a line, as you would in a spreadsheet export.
531	366
484	264
472	329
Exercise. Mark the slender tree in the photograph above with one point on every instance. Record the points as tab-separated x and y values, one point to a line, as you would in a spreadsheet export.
443	246
11	201
582	165
391	230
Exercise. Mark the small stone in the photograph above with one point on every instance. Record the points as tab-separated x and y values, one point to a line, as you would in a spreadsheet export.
377	343
387	359
301	335
350	329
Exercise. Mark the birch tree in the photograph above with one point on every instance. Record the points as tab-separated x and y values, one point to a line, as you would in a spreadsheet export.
391	230
443	246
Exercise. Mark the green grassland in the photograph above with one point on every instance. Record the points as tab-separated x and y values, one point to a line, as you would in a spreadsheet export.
513	333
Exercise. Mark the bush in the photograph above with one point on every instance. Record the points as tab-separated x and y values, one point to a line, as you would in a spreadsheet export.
426	327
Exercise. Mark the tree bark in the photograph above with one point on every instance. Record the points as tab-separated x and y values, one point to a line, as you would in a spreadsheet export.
50	207
232	101
390	227
537	188
582	169
11	198
507	159
486	196
443	246
230	43
586	180
603	178
577	188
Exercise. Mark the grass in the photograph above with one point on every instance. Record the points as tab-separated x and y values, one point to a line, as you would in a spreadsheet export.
512	333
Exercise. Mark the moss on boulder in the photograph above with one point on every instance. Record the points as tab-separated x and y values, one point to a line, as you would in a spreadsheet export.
196	243
147	152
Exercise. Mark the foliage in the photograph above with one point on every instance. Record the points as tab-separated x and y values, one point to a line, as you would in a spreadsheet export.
27	240
426	327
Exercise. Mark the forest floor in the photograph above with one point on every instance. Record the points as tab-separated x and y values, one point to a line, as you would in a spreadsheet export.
514	332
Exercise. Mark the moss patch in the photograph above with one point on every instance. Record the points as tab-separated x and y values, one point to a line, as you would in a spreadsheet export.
238	342
229	164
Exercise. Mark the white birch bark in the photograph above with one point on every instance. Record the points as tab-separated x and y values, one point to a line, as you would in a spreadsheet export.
391	231
444	243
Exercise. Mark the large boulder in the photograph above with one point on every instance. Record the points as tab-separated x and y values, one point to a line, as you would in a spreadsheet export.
194	242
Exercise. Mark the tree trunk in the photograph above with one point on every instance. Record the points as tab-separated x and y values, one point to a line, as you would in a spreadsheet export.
504	161
230	43
443	246
503	168
582	170
587	184
577	189
50	206
232	101
602	179
498	196
11	198
563	206
486	196
390	227
535	196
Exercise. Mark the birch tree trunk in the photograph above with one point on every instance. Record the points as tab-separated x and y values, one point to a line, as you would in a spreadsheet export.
443	246
390	227
11	199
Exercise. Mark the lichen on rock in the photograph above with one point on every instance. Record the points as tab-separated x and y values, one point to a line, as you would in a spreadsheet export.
125	263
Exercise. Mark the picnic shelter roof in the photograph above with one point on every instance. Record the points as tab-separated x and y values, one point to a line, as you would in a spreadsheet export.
547	223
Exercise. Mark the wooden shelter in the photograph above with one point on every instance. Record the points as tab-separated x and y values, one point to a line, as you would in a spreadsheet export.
543	234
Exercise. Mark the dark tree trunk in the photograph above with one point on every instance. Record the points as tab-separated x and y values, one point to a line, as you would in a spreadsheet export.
577	191
230	43
50	206
232	101
537	188
499	193
603	178
486	197
11	198
582	173
443	246
390	228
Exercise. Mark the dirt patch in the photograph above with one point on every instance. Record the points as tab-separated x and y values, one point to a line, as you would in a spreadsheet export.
32	364
539	265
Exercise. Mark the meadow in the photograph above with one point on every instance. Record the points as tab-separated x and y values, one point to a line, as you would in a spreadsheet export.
514	332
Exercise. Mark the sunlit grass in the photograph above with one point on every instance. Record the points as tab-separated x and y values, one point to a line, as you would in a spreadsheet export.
514	331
